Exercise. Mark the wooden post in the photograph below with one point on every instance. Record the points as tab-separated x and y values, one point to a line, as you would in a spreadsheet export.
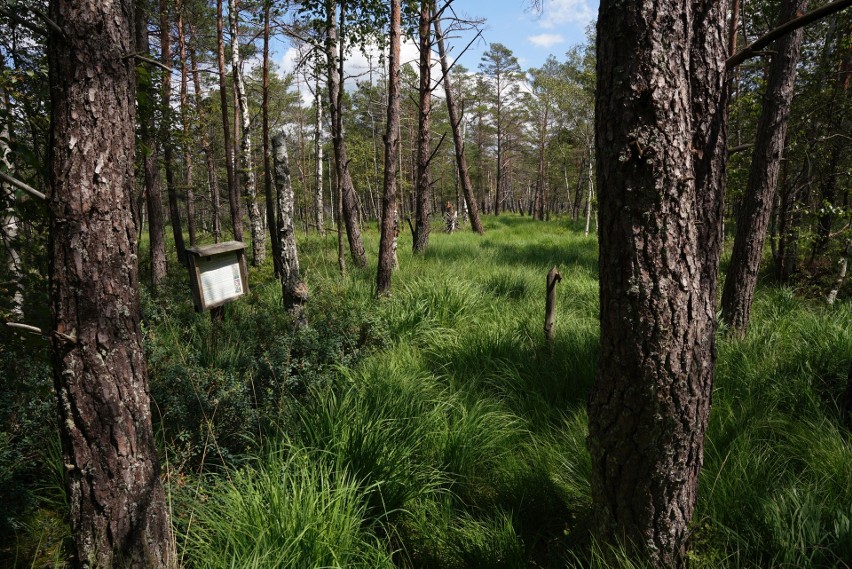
553	277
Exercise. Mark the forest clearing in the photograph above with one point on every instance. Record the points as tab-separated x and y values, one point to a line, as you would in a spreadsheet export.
285	284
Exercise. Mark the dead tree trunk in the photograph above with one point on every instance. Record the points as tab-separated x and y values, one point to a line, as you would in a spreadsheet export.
293	289
117	505
753	220
458	139
389	207
553	277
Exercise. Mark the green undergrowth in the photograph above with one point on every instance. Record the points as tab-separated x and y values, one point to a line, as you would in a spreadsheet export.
437	428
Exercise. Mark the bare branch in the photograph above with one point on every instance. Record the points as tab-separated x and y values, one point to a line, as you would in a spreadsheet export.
21	186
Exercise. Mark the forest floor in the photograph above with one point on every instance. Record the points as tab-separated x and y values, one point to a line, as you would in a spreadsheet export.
437	428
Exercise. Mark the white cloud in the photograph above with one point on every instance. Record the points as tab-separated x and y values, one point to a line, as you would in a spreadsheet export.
558	12
546	40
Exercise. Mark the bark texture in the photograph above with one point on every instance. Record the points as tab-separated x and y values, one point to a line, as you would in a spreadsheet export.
318	202
389	231
118	513
660	127
424	186
458	139
341	160
184	115
233	193
271	218
753	220
9	221
294	291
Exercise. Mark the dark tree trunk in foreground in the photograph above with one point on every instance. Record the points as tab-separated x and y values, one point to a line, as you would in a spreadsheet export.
148	138
660	163
389	226
334	49
233	193
455	124
421	216
166	130
118	512
294	291
753	219
271	221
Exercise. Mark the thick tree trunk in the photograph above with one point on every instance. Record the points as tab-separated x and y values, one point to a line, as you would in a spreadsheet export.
166	130
212	178
271	221
753	219
660	140
184	113
148	138
389	227
424	185
334	57
458	139
118	512
258	239
294	291
233	192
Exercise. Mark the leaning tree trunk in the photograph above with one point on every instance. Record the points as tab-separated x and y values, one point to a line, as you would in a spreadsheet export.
421	215
389	207
166	130
233	192
149	151
258	238
753	219
117	505
458	139
345	188
660	147
294	291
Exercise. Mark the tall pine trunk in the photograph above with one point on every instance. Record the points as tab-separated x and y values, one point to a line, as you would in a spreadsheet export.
458	139
660	126
117	504
424	186
166	130
233	192
184	115
345	188
271	221
753	219
389	227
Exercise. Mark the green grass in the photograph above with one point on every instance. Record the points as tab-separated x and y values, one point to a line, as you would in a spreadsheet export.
436	427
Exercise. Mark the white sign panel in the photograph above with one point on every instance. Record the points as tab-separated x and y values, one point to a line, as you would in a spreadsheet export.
220	279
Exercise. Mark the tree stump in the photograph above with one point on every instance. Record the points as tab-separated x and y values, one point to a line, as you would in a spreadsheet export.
553	277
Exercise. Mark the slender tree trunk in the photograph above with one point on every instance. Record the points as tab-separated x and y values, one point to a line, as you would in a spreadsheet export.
9	221
389	227
212	179
233	192
166	130
458	139
318	201
271	222
421	225
541	189
184	111
660	170
148	138
334	55
294	291
117	505
591	184
258	240
753	219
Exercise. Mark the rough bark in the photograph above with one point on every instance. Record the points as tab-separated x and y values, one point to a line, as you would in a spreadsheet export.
293	289
271	220
166	130
753	219
389	206
660	139
258	238
458	139
150	152
210	160
117	505
184	115
424	185
233	193
334	49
